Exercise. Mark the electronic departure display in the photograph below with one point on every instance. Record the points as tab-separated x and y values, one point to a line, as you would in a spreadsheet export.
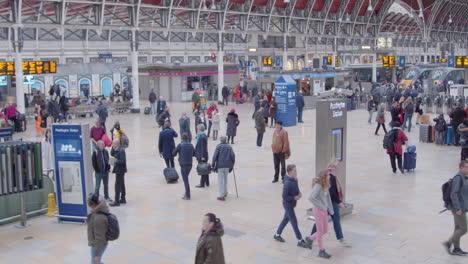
267	61
388	61
29	67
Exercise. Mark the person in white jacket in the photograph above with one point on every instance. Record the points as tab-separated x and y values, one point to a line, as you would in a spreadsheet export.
320	198
47	151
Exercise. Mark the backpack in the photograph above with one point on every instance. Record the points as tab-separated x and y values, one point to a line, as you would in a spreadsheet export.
389	139
113	230
124	141
440	126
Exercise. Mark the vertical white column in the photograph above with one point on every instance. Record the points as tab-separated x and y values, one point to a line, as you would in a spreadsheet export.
219	58
19	73
285	52
374	68
135	85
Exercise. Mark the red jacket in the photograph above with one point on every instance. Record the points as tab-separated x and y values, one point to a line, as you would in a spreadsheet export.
399	142
210	111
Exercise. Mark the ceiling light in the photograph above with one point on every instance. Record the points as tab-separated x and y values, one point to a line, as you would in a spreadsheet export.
369	7
213	6
340	19
348	18
204	5
287	1
450	19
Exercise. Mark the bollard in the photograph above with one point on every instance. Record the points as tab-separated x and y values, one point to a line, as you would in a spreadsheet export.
51	205
23	216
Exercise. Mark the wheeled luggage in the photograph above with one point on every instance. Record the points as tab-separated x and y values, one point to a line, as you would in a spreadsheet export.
425	119
147	110
409	158
433	134
425	132
171	175
21	123
449	136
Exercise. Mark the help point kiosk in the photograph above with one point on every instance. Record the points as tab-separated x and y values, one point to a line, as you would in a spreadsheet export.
73	173
285	97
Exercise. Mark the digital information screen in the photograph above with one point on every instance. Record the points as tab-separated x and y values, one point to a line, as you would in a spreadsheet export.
29	67
337	144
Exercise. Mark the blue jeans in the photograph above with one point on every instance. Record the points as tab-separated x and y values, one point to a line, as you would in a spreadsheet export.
299	114
336	222
185	171
408	118
289	215
153	108
370	116
97	254
222	181
104	176
439	137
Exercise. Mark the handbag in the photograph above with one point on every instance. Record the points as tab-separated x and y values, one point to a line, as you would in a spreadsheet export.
203	168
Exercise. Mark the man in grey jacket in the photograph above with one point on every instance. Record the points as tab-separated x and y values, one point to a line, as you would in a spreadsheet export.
459	207
223	163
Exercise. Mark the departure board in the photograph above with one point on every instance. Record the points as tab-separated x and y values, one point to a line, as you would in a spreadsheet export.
459	61
267	61
29	67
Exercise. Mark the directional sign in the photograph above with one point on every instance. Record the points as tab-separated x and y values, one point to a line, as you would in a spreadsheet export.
278	61
306	69
451	61
402	61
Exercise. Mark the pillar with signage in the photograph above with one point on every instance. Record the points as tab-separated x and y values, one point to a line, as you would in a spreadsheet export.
330	138
73	173
285	97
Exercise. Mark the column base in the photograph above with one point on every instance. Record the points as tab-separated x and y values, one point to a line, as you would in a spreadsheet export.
135	110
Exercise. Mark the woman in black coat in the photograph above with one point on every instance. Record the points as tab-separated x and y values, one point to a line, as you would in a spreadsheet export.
232	123
201	153
266	110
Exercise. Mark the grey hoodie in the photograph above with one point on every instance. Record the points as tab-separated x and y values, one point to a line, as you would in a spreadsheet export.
321	199
97	225
459	193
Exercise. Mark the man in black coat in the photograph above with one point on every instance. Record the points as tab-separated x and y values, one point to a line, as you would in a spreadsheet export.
152	100
100	160
186	152
201	153
161	106
120	168
257	103
300	106
225	94
54	109
457	116
64	107
395	112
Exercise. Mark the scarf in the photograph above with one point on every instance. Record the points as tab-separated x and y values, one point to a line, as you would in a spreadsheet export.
339	186
199	134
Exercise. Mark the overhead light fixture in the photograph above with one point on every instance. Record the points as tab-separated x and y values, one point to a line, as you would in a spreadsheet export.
348	18
340	19
369	7
287	1
204	5
252	50
450	19
213	6
366	47
421	13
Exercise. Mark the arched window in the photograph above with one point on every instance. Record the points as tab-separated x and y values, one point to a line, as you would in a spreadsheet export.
37	86
85	87
300	64
106	86
290	65
63	84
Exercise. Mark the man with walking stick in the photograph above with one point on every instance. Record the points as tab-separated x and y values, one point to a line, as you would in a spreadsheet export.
223	163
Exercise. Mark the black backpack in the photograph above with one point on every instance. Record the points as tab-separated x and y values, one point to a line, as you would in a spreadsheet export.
113	230
446	190
441	125
389	139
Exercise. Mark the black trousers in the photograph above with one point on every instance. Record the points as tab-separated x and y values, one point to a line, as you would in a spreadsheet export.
456	134
169	163
278	159
209	127
205	180
185	171
225	100
259	139
230	139
378	127
464	153
119	187
396	157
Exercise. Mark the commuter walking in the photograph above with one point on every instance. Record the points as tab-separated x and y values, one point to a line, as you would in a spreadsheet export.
266	110
201	153
440	127
102	113
223	163
300	106
459	208
291	194
260	125
418	107
463	131
320	198
409	110
38	119
101	166
281	150
184	126
161	105
152	100
397	136
225	94
195	98
97	227
64	107
257	102
210	244
200	120
336	195
186	152
273	110
120	168
216	124
232	121
395	112
213	107
166	144
371	108
381	119
457	116
54	109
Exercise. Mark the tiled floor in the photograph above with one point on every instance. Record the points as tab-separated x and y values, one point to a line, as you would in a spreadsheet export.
395	219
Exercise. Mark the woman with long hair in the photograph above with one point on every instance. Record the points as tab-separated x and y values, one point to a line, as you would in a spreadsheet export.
320	198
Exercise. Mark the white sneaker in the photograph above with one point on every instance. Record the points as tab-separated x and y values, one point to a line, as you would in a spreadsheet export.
344	243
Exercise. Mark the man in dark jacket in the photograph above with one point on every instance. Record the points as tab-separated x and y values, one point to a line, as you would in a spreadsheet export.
54	109
223	163
161	105
97	227
291	195
395	112
260	125
300	106
166	144
186	152
184	125
120	168
225	94
201	153
102	113
459	208
409	111
463	131
64	108
152	100
100	160
257	101
457	116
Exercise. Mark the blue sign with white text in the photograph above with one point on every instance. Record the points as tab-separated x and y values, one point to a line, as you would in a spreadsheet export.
402	61
285	97
451	61
278	61
248	63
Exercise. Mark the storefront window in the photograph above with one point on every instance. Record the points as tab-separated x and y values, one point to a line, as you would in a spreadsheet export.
200	82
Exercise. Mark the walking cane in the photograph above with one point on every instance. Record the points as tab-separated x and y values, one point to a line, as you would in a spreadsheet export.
235	182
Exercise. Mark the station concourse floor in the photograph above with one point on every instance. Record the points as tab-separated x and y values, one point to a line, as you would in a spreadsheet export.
395	218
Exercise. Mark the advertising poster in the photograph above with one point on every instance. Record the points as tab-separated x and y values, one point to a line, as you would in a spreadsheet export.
70	181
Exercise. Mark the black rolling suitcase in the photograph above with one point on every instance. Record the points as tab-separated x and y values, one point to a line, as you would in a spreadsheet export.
147	110
171	175
21	123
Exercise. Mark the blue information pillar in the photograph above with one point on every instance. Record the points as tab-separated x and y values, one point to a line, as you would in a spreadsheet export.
73	174
285	96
